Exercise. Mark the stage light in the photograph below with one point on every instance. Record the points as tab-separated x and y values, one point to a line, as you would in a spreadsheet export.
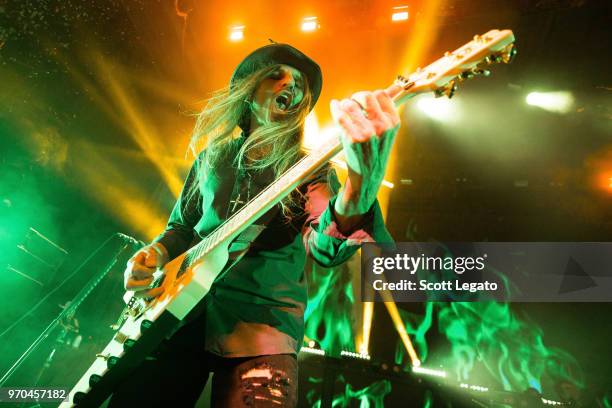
558	102
310	24
368	316
478	388
310	350
400	13
400	328
440	109
429	371
236	33
361	356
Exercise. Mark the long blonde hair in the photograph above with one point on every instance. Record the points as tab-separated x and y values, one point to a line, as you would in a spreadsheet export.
274	144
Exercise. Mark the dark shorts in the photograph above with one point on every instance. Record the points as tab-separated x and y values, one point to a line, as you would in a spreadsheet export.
177	372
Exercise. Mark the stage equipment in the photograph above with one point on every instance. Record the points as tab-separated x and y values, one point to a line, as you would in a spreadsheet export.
38	259
187	279
350	380
66	319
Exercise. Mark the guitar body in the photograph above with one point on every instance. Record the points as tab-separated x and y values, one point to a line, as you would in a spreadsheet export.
148	324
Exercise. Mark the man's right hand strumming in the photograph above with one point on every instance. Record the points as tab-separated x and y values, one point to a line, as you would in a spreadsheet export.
138	275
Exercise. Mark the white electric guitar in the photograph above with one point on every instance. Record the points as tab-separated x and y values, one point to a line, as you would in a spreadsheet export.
188	278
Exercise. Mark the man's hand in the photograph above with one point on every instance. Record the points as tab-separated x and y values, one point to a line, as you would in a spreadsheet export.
369	122
138	275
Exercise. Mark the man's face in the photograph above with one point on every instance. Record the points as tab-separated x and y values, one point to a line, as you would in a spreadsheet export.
282	90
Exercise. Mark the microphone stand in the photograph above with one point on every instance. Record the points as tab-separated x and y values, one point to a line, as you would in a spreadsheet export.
76	301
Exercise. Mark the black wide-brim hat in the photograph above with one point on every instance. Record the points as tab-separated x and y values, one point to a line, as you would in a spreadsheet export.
276	53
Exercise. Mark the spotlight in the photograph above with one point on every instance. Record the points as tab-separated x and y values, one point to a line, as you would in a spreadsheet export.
440	109
310	350
551	402
310	24
558	102
400	13
236	33
351	354
429	371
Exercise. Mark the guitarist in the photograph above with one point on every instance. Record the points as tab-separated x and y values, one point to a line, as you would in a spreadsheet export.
252	325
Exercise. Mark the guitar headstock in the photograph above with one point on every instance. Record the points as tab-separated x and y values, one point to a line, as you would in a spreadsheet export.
467	61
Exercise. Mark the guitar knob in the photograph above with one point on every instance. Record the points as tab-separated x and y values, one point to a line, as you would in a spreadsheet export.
94	379
78	397
111	362
129	343
145	324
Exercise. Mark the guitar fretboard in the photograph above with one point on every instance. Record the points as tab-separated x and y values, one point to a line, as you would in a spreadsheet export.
265	200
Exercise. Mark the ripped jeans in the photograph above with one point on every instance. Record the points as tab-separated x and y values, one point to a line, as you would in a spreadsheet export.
175	375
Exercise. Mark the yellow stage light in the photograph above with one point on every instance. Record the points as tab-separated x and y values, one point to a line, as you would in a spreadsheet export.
368	314
401	330
236	33
310	24
400	13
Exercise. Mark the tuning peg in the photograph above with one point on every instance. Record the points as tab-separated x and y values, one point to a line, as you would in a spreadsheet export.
465	75
480	71
451	88
448	90
493	59
508	54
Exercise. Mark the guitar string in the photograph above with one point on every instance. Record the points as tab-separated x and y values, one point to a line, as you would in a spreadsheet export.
205	245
